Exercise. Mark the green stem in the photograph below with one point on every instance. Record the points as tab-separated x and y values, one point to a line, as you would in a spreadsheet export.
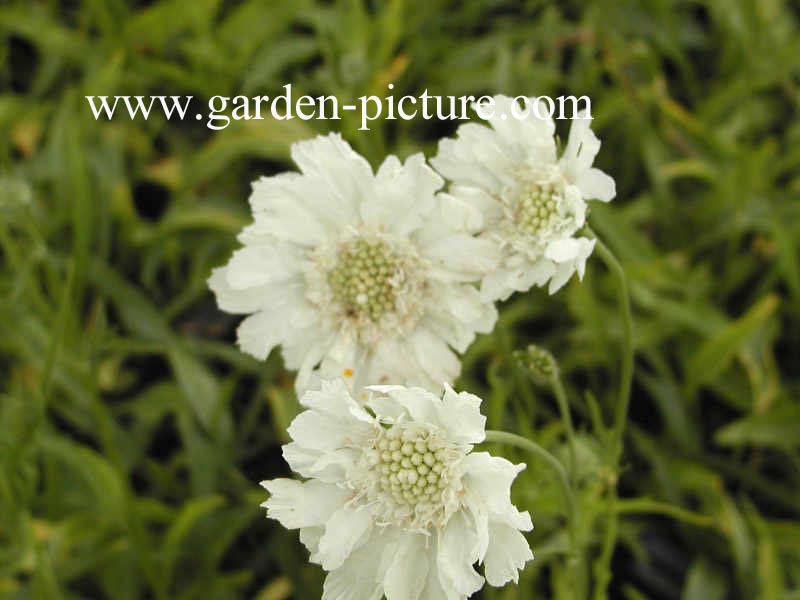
563	406
603	564
602	568
626	375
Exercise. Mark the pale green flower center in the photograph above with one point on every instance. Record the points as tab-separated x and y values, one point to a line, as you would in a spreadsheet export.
536	207
366	278
412	468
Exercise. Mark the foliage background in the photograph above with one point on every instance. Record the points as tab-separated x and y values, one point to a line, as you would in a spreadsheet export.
133	433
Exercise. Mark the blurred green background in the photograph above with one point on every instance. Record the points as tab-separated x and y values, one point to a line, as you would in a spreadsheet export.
132	431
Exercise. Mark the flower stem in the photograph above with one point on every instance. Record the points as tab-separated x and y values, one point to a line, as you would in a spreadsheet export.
563	406
626	374
602	569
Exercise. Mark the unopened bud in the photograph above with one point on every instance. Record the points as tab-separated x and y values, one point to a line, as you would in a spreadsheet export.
540	363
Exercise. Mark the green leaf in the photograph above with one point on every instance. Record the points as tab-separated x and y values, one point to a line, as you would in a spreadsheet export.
704	582
777	428
714	355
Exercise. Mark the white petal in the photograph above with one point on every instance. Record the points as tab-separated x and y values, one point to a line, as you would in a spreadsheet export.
506	280
420	404
316	430
496	285
434	357
596	185
587	247
232	300
407	570
530	138
582	147
478	157
298	505
334	399
467	208
487	479
564	270
344	531
506	555
361	575
562	250
457	554
286	206
259	333
330	466
309	537
562	275
460	257
338	167
458	314
257	265
462	417
403	195
437	587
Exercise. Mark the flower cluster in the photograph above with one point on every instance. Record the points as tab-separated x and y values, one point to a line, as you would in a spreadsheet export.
395	502
355	274
372	283
372	276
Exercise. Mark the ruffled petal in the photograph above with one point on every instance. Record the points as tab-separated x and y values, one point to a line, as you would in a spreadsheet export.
562	250
436	588
404	194
568	259
596	185
330	467
259	333
346	529
434	357
506	555
421	405
253	266
316	430
487	479
460	257
286	206
477	157
460	313
507	280
331	161
235	301
529	138
296	505
334	400
582	147
360	577
462	418
456	555
467	208
407	570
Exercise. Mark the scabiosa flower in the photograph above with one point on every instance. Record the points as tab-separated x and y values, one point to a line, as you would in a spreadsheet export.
358	274
395	502
526	199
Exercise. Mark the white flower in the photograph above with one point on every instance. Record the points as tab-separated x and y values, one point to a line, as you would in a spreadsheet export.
525	198
358	274
395	502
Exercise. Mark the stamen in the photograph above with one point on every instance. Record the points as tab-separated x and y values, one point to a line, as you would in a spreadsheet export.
410	470
536	207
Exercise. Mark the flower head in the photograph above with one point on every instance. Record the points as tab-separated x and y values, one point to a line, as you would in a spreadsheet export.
357	274
395	502
525	198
